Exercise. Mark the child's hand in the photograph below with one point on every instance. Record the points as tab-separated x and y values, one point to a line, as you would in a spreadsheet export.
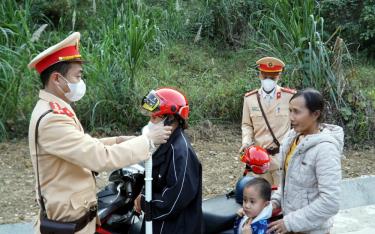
246	229
137	204
240	212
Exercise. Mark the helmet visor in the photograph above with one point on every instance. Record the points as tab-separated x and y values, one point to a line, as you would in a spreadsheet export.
150	103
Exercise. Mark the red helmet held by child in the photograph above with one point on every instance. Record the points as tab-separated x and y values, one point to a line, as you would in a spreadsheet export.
257	159
165	101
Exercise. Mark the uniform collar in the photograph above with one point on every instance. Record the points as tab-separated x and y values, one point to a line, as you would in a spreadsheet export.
49	97
272	94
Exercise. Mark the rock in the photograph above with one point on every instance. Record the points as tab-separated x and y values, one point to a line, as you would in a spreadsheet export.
207	124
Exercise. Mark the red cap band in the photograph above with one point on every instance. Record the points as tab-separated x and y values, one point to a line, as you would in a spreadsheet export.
267	68
64	54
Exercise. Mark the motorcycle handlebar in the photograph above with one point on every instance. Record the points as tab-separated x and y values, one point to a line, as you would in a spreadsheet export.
129	189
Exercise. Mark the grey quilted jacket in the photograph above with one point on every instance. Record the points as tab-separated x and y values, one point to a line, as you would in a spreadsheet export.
309	192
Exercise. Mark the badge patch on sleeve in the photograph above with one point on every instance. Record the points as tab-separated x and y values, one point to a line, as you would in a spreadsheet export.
278	95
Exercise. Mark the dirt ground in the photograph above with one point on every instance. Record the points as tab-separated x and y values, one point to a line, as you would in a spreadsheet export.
216	146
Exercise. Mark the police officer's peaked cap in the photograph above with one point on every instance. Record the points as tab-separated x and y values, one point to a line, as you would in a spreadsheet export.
66	50
270	64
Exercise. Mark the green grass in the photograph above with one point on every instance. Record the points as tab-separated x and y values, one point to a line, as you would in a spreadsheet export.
213	92
213	81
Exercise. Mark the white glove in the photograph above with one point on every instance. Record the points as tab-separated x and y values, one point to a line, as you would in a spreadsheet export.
157	134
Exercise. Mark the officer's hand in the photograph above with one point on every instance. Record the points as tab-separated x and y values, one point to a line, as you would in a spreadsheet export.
159	134
243	147
137	204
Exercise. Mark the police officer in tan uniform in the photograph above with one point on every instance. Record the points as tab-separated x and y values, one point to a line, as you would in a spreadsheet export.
66	155
275	102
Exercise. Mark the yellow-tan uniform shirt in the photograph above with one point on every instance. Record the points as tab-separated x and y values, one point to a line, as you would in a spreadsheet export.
67	156
276	108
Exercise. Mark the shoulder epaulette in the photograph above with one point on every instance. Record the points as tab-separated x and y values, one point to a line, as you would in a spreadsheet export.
56	108
288	90
251	93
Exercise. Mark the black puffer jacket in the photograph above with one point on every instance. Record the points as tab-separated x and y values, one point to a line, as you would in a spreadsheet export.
176	187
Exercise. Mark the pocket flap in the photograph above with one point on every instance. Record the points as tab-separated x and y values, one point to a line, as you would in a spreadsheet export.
83	199
257	113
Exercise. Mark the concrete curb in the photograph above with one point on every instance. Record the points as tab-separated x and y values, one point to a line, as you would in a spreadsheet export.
359	191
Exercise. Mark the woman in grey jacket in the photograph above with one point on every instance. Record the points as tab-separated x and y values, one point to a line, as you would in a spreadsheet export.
311	169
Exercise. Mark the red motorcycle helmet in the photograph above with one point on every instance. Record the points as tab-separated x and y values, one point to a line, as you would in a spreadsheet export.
257	159
165	101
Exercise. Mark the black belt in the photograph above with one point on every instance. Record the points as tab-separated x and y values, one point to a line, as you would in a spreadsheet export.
87	218
273	151
84	220
57	227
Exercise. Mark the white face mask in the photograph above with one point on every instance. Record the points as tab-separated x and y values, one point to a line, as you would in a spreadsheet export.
268	84
77	90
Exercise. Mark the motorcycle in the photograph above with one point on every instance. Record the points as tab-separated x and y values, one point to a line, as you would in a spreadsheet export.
116	204
116	201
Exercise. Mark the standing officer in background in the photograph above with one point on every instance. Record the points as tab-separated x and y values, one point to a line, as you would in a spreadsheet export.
274	100
63	156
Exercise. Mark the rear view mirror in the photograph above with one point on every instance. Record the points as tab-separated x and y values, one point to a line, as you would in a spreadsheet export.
116	176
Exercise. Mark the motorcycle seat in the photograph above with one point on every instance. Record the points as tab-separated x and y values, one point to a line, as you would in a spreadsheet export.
219	213
109	200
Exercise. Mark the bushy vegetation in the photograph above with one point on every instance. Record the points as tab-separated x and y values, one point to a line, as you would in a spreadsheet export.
355	22
315	58
205	48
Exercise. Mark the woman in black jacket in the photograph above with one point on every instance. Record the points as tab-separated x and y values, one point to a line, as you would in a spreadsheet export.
177	173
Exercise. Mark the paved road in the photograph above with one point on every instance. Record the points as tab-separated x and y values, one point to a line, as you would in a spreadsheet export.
359	220
18	228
